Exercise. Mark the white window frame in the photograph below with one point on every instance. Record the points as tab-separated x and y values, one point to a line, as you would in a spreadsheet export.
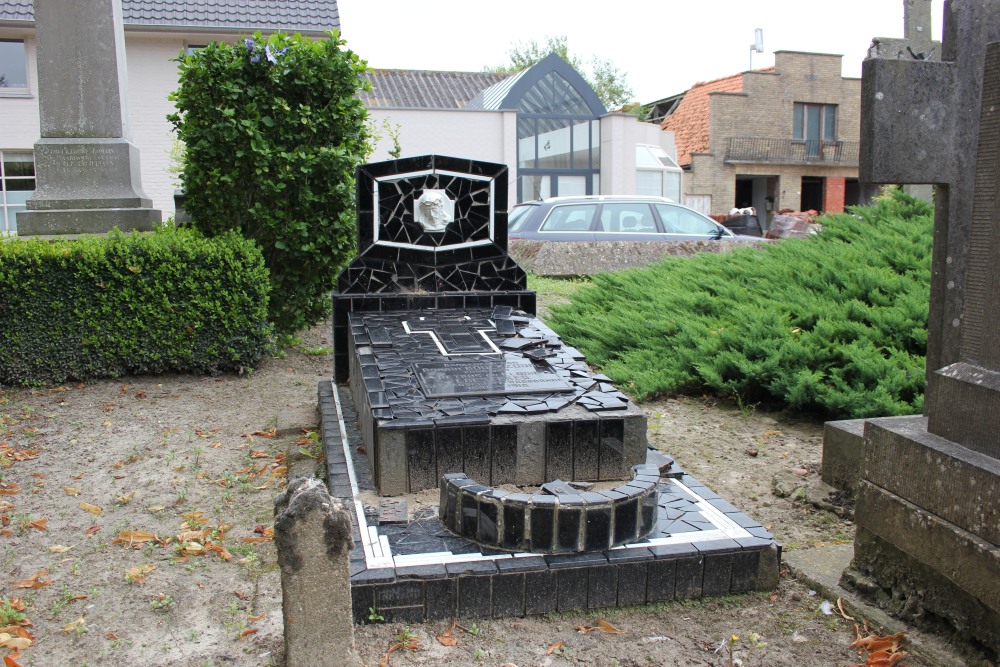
18	91
7	219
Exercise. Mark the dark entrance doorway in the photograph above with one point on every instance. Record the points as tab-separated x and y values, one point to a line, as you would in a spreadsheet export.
812	193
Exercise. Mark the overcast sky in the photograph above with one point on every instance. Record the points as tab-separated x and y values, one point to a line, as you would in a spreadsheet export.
662	47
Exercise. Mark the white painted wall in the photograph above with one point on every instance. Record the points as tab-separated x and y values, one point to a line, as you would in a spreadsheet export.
19	124
151	78
490	136
620	133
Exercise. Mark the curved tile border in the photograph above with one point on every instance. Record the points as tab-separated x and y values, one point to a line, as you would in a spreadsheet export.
551	524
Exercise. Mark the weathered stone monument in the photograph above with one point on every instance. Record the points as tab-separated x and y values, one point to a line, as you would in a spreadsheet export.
312	534
928	487
491	471
86	168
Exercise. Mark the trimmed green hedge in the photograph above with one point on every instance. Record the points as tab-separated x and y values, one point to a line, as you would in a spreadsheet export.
129	305
835	324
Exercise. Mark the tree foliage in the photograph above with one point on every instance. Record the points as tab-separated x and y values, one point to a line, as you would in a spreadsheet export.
835	324
609	82
273	132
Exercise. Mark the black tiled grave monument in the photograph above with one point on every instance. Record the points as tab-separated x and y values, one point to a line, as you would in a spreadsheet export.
455	385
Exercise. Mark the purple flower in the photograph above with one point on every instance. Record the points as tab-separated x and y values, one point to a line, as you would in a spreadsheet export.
251	46
270	55
255	59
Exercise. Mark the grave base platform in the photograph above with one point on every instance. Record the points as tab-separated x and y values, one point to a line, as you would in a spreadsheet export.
409	568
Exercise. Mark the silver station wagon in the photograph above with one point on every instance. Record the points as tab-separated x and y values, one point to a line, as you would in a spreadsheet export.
612	218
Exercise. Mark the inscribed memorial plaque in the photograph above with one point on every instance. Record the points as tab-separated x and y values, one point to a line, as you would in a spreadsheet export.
487	378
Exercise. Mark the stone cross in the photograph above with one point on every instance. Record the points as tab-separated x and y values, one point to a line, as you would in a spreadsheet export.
920	124
917	43
964	398
86	168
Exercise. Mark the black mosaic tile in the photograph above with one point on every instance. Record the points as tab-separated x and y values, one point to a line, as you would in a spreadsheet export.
612	449
602	586
717	574
430	571
541	516
541	590
559	450
400	594
513	532
442	599
745	571
690	572
508	595
660	580
572	587
522	564
504	453
626	521
474	596
586	436
569	530
477	454
362	602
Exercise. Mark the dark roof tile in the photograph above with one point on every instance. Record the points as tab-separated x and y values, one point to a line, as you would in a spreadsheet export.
246	15
423	89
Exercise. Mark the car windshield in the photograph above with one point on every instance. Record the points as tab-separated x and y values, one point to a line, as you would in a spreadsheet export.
517	217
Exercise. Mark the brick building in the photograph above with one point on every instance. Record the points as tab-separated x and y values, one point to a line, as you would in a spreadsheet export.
785	137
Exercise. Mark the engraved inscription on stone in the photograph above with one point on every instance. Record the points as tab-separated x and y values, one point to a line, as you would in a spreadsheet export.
76	158
485	378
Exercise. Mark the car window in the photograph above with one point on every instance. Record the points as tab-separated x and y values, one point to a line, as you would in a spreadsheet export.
678	220
627	217
518	216
570	218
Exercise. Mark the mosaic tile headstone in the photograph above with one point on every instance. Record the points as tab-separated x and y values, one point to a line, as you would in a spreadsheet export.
432	233
432	224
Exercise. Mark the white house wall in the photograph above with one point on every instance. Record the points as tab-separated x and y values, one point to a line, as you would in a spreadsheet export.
620	133
19	124
490	136
152	76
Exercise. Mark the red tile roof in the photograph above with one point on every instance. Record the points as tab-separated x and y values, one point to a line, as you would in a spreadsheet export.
690	122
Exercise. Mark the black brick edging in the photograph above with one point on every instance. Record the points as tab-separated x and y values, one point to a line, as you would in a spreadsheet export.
539	584
551	523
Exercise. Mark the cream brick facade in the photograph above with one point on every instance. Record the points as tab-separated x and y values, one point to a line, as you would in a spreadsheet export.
764	109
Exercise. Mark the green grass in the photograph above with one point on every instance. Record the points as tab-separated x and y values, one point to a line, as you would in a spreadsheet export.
835	324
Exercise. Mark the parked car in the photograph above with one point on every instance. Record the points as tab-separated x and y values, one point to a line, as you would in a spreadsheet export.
612	218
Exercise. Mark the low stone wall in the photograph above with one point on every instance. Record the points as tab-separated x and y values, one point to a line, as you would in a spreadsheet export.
581	258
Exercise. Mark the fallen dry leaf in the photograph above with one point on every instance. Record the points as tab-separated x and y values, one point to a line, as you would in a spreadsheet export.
93	509
78	625
259	454
139	572
446	638
59	549
14	643
254	619
249	631
553	647
72	490
135	537
126	498
270	433
9	489
93	529
6	506
10	660
77	476
38	524
35	581
840	606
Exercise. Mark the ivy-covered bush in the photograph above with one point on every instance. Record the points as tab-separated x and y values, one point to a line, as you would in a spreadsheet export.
131	304
835	324
273	132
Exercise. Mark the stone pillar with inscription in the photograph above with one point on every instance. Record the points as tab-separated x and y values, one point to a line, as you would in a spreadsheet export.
86	168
